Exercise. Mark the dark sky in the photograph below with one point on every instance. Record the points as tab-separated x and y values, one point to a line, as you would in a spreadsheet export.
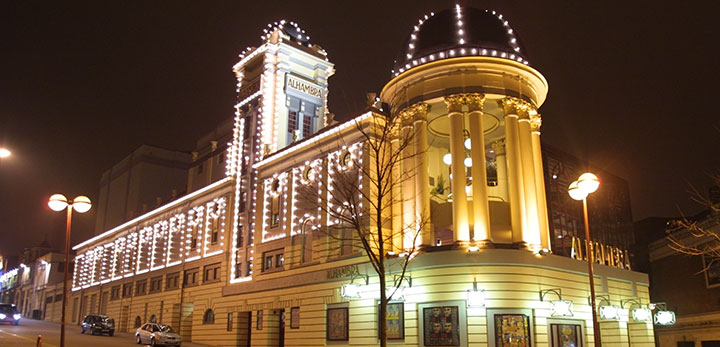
82	84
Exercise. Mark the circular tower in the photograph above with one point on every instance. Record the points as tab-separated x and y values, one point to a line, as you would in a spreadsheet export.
464	83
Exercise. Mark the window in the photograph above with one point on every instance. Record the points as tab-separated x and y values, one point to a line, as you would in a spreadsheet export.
243	201
307	126
214	230
138	322
229	322
140	287
60	297
75	309
240	236
268	263
259	320
212	273
209	317
273	260
238	269
172	280
127	290
49	299
292	121
295	318
153	319
193	241
61	267
155	284
115	293
191	277
337	324
200	168
275	204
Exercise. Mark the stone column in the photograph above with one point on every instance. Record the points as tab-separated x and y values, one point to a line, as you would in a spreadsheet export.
407	182
501	167
515	182
481	210
532	232
396	193
422	175
461	227
545	238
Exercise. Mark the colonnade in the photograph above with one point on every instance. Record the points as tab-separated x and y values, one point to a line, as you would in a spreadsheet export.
519	169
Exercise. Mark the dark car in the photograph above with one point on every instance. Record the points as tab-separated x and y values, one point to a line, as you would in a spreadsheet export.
98	324
9	314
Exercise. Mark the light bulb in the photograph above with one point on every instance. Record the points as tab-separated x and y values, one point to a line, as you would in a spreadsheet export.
468	162
447	159
575	192
468	143
57	202
588	182
82	204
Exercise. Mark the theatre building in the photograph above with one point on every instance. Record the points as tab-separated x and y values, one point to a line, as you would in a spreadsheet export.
249	260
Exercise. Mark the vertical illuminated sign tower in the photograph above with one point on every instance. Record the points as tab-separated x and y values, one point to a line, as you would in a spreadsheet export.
282	99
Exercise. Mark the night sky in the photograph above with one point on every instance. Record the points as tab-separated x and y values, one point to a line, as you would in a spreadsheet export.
632	88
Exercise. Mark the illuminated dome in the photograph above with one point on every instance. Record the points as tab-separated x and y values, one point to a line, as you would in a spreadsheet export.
460	32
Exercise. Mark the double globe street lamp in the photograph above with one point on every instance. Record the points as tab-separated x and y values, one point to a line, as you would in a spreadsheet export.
586	184
81	204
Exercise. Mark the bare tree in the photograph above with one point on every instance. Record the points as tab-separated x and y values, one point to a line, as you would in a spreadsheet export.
698	237
360	196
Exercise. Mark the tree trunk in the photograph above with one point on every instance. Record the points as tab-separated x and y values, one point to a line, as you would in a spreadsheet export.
382	322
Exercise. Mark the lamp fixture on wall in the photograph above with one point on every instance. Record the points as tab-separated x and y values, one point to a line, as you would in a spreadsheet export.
662	316
475	297
352	290
638	313
560	307
607	310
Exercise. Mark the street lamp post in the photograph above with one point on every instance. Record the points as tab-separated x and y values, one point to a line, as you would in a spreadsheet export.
586	184
59	202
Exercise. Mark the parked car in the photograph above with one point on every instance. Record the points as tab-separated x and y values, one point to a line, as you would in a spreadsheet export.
98	324
157	335
9	314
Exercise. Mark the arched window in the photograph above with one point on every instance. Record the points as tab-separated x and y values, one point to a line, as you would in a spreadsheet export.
209	317
138	322
153	319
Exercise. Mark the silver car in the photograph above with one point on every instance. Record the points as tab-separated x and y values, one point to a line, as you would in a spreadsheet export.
157	335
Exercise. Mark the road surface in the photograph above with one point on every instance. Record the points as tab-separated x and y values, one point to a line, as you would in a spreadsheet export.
25	335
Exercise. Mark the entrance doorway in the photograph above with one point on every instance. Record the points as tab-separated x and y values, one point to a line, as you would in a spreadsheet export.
243	329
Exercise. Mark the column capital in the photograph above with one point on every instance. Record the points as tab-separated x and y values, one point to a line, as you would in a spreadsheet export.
414	112
455	102
516	106
475	101
535	121
420	110
499	147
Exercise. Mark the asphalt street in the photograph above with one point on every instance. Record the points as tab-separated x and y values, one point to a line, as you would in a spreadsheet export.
26	333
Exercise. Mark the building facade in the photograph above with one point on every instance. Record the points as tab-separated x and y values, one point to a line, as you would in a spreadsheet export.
690	285
610	215
257	258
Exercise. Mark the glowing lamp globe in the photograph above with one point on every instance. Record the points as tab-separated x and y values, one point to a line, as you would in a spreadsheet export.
588	182
4	153
468	144
575	191
82	204
468	162
447	159
57	202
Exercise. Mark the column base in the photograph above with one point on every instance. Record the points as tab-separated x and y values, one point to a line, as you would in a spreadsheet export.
521	245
